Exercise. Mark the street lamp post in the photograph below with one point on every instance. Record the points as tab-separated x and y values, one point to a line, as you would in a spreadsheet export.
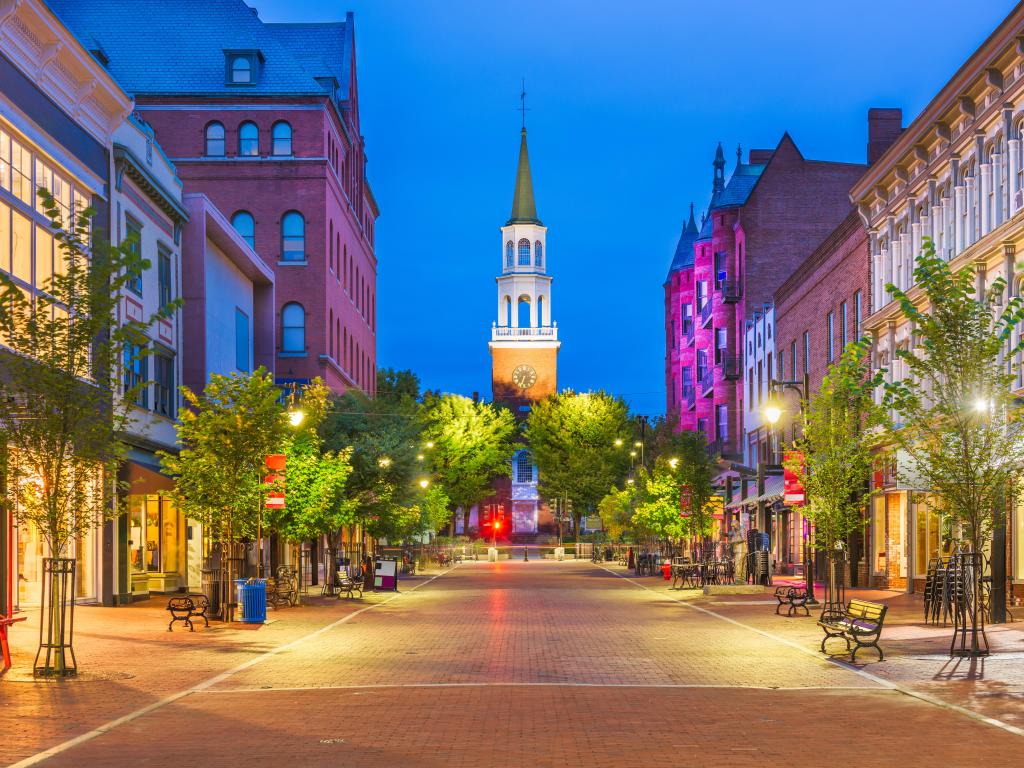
772	414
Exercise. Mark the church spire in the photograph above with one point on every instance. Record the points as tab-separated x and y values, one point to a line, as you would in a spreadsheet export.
691	225
524	209
719	181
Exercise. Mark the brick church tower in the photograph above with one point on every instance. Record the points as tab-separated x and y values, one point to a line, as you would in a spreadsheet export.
524	339
524	346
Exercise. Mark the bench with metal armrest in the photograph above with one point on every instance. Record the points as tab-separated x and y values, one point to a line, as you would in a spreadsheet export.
860	622
187	607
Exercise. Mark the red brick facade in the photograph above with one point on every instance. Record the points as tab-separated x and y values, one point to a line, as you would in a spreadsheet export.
321	179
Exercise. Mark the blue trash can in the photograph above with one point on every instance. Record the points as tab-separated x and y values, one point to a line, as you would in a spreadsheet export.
252	596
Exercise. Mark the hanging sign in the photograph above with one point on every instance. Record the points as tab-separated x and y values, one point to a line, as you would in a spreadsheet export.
793	493
275	462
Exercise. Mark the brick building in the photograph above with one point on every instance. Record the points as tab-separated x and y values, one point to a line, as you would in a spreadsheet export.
264	120
955	175
759	227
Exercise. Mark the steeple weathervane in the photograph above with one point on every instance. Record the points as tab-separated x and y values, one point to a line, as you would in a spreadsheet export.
522	108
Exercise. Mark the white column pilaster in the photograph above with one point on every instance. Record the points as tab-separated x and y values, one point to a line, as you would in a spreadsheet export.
999	187
1013	164
985	188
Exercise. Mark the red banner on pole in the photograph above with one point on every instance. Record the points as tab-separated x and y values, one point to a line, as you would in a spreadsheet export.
793	494
684	500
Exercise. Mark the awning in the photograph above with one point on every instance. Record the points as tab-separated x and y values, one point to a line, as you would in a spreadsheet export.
144	478
773	488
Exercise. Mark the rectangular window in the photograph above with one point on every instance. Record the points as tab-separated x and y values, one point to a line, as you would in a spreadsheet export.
5	237
702	364
133	241
750	387
768	369
719	269
760	380
782	363
687	373
807	351
792	360
44	259
21	247
721	345
831	349
135	373
856	315
687	310
241	340
163	375
722	423
166	285
21	174
701	294
702	426
842	327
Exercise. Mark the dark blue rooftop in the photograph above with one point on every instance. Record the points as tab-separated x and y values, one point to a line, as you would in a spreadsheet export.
156	47
683	258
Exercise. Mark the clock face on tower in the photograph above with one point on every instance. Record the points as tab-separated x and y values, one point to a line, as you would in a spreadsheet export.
524	376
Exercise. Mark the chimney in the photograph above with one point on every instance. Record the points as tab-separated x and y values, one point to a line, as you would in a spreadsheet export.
884	127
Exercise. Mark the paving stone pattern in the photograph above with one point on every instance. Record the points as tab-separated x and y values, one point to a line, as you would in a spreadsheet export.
506	664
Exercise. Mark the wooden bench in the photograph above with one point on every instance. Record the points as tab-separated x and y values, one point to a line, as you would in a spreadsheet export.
794	597
186	608
350	583
5	648
281	589
860	622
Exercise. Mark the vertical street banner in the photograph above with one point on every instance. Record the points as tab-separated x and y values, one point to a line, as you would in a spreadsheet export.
275	463
793	494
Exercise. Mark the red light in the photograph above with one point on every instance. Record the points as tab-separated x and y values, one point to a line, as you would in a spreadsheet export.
497	525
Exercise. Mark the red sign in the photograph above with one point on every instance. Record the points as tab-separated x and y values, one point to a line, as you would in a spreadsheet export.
793	493
684	500
275	500
275	461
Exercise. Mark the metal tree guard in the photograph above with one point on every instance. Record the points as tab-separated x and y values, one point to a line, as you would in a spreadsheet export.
833	607
968	615
57	628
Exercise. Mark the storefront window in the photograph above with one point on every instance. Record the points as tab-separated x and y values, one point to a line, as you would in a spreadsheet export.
153	545
931	541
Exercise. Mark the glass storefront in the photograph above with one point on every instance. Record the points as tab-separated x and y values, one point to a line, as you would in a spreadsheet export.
156	556
932	540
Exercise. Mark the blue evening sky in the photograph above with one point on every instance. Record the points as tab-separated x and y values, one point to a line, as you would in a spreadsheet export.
627	103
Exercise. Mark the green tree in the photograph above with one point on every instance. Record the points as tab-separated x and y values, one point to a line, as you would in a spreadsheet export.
384	439
63	406
616	511
577	443
225	435
471	445
315	503
685	454
956	417
840	428
657	504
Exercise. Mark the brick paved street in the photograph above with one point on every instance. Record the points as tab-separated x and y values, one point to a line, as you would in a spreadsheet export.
513	663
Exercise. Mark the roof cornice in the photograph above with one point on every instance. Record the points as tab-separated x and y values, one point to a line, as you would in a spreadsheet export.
946	99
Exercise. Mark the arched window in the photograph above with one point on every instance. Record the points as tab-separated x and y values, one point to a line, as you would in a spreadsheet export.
241	69
508	310
538	254
248	140
215	140
330	332
523	316
524	253
281	135
330	246
245	225
293	237
524	467
293	328
509	254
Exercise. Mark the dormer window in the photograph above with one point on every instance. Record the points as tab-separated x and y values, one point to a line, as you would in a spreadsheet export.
242	67
241	70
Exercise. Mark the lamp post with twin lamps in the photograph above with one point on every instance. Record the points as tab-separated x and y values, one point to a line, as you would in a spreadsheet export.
772	414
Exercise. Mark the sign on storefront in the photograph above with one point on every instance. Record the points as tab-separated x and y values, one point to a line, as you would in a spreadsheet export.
793	493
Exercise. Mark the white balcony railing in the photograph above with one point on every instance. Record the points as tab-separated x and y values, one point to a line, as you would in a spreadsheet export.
510	333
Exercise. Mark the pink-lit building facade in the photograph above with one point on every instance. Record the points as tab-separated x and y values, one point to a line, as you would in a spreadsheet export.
263	119
759	227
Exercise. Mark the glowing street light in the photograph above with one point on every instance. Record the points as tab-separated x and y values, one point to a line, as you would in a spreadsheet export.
384	462
618	442
419	457
430	444
981	405
772	413
673	462
424	483
295	417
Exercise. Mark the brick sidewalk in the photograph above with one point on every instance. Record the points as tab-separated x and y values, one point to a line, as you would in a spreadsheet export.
513	664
